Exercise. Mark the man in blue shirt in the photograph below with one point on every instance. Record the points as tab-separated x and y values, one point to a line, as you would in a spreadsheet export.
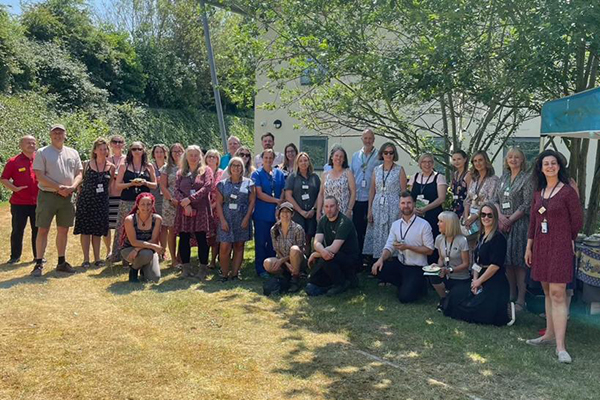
233	143
363	163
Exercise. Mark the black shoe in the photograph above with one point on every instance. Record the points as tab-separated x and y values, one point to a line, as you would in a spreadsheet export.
65	267
13	261
439	307
294	285
37	270
133	275
338	289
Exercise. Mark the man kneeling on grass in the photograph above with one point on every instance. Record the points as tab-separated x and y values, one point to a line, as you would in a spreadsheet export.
333	264
411	237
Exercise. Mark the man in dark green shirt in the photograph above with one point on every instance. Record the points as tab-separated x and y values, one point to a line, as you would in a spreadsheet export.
336	253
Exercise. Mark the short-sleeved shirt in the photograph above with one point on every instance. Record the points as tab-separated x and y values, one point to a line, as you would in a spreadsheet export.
301	186
440	179
415	232
343	229
272	185
19	169
455	249
491	252
62	166
362	167
225	161
282	245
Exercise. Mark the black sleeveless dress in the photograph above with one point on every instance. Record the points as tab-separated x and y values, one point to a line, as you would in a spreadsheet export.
91	213
429	191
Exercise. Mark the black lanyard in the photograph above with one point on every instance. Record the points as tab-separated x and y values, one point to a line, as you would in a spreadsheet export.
365	164
385	177
478	249
545	202
422	187
446	253
403	236
477	187
271	181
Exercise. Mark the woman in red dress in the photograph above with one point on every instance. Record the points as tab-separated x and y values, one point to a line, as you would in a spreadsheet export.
556	218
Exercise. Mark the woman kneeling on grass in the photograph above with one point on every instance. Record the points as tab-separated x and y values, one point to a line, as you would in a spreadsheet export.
140	240
289	243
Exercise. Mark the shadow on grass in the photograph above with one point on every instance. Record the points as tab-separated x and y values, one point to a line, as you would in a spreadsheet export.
23	280
5	267
125	287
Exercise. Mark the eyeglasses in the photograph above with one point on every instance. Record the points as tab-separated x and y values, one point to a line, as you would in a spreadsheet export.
389	153
117	141
487	215
137	149
245	155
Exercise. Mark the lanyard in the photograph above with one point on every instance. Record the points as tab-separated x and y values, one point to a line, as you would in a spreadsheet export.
478	187
478	248
403	236
366	163
422	187
271	182
385	177
545	202
446	253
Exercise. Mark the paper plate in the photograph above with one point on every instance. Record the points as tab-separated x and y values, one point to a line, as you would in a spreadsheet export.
431	268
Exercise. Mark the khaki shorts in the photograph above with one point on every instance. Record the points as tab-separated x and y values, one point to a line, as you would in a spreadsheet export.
51	204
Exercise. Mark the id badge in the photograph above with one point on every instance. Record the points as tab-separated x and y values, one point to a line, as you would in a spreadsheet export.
475	196
382	200
421	197
192	192
476	267
447	260
544	226
305	196
233	196
304	187
425	201
233	206
363	183
100	188
455	197
506	205
542	210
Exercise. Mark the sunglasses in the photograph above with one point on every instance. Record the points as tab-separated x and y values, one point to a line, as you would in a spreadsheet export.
137	149
117	141
245	155
487	215
388	153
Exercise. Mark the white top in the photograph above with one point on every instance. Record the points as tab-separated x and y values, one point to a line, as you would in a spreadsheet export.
441	179
419	234
258	160
59	165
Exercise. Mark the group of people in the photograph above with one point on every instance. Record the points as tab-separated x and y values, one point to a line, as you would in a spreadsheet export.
362	212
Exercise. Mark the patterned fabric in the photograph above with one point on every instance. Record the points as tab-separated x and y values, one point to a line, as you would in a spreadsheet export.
158	197
510	198
459	192
234	218
479	194
588	262
338	188
384	214
91	215
282	244
113	211
211	236
168	209
198	189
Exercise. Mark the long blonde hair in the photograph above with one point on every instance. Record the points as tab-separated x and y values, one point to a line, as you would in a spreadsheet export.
185	166
310	164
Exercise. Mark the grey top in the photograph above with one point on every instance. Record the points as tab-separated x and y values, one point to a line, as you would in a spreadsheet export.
62	166
454	249
301	186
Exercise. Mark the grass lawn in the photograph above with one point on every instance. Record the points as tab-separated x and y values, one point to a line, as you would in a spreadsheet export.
95	336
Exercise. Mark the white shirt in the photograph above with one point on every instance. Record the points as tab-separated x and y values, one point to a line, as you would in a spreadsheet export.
419	234
258	160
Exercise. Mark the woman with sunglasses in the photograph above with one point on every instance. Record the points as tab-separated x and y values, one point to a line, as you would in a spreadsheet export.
168	178
246	155
387	182
556	217
117	143
488	301
135	176
429	188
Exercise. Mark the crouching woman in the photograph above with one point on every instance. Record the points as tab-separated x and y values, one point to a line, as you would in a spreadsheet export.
140	241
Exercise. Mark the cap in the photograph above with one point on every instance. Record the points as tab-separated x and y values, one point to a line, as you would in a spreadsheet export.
57	126
285	204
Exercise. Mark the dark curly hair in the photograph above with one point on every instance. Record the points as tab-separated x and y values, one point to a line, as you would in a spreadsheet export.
539	177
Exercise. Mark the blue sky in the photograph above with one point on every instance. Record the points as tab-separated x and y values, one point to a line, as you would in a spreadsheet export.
14	6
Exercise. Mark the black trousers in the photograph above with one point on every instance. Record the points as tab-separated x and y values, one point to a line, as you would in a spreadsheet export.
20	214
359	217
408	279
185	248
340	268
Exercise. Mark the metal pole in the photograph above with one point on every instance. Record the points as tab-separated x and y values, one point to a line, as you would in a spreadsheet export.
213	75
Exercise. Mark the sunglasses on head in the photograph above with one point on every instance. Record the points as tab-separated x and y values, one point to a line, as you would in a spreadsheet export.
487	215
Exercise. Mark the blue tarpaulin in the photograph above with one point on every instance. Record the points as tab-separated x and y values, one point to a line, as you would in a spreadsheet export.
577	115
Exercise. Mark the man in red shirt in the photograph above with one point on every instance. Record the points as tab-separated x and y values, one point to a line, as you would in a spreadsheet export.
19	178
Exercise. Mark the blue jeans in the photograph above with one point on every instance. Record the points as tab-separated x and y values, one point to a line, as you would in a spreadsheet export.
263	247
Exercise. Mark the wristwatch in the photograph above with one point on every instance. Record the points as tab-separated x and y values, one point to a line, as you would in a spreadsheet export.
450	269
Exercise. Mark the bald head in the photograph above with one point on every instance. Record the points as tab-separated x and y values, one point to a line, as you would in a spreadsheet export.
28	145
368	139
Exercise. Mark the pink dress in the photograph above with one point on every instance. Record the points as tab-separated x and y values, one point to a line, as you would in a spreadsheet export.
198	190
552	253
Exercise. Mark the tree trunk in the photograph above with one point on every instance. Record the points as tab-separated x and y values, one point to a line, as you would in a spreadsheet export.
594	204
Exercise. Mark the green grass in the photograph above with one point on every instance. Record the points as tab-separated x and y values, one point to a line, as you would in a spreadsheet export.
95	336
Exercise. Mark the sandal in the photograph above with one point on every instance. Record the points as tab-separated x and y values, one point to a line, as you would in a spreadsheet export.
86	265
99	263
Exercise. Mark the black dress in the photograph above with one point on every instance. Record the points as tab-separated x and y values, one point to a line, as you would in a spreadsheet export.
429	192
491	305
91	214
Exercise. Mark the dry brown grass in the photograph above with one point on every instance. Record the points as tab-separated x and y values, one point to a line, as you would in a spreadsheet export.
95	336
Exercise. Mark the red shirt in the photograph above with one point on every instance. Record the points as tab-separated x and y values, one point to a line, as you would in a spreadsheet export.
19	169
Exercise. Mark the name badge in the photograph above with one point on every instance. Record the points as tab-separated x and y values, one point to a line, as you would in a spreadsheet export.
382	200
447	260
506	193
421	197
476	267
305	187
305	196
233	196
363	183
100	188
192	192
455	197
544	226
542	210
506	205
22	169
232	206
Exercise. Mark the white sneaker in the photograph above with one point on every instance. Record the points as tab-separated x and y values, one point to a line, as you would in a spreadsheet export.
564	357
512	313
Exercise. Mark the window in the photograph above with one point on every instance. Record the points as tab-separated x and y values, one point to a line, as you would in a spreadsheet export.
529	145
314	73
316	148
